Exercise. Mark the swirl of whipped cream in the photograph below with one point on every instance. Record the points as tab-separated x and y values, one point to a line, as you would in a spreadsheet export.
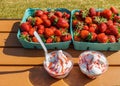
58	63
92	63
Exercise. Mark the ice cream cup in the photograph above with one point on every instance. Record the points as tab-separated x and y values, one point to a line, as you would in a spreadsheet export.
63	74
93	63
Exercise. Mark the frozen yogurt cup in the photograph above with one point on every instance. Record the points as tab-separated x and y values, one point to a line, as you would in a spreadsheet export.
92	63
59	64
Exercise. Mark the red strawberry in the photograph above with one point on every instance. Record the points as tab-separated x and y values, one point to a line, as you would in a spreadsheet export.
57	32
62	23
112	38
58	14
34	39
24	33
66	37
98	13
102	27
39	13
114	30
77	38
92	12
48	32
31	31
91	29
41	29
53	28
47	23
54	19
114	10
116	19
25	26
109	22
84	34
66	15
88	20
108	32
38	21
93	36
44	17
75	22
102	38
107	13
85	27
49	40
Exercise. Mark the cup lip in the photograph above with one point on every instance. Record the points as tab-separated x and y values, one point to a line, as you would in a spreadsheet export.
60	74
88	74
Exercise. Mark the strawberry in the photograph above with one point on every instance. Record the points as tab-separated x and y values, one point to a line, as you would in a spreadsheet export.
34	39
54	19
93	36
62	23
66	15
25	26
84	34
102	27
58	14
88	20
116	19
92	12
41	29
31	31
39	13
47	23
38	21
57	39
102	38
108	32
53	28
91	29
77	38
114	30
49	40
57	32
48	32
85	27
44	17
109	22
66	37
114	10
75	22
107	13
112	38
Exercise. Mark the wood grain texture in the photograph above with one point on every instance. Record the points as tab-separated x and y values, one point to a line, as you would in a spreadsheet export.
37	76
21	56
9	25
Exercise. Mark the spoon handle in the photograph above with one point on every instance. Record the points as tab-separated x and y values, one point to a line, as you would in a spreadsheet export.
41	42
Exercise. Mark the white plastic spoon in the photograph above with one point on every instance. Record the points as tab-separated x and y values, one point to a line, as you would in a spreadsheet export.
42	44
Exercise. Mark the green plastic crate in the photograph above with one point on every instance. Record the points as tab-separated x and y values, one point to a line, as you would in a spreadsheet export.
32	45
92	46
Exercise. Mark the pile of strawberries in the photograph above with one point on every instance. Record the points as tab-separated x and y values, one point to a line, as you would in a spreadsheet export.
101	26
52	26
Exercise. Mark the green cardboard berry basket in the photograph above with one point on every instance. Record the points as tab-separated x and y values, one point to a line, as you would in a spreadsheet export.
92	46
32	45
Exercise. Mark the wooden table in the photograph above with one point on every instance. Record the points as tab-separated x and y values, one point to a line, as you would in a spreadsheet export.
24	67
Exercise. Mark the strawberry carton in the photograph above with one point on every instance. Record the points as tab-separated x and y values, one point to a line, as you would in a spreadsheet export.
95	29
52	25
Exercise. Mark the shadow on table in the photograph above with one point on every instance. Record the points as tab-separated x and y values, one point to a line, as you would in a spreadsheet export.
39	77
13	46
